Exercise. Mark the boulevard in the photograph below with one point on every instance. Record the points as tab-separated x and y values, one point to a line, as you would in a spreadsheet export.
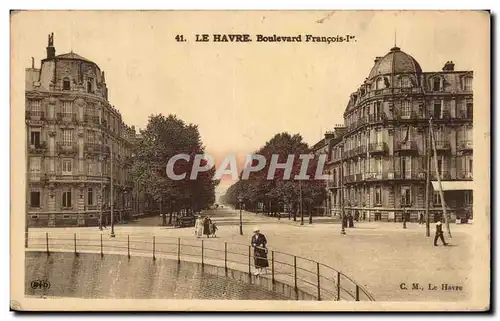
383	257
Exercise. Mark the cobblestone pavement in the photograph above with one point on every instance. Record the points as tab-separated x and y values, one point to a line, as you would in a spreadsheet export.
380	256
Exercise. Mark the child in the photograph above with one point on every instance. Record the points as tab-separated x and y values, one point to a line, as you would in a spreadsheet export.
214	229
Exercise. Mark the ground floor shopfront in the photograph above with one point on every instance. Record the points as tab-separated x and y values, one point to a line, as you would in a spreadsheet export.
392	201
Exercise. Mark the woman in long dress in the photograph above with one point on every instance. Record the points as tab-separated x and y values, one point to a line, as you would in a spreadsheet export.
198	227
206	226
259	243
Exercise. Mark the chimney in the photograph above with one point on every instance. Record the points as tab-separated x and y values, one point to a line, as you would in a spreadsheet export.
51	51
103	78
449	66
32	63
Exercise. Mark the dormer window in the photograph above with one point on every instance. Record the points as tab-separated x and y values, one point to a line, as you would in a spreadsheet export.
89	85
66	84
380	83
468	84
436	84
405	82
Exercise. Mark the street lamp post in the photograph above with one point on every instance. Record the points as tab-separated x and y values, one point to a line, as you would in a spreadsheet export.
240	200
342	213
112	195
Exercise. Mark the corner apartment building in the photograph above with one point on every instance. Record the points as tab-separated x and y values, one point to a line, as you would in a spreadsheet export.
74	138
384	142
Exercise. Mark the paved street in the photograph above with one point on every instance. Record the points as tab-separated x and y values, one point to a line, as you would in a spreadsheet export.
379	256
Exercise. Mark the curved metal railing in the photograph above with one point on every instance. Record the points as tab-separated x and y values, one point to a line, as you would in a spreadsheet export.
314	278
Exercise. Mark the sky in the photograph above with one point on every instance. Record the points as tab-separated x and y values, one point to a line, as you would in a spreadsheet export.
242	94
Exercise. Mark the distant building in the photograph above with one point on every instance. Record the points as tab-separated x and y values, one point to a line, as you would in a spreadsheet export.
382	152
72	130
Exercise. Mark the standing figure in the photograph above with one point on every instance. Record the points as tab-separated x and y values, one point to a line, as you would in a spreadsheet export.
259	243
198	227
439	234
214	229
421	219
206	226
404	218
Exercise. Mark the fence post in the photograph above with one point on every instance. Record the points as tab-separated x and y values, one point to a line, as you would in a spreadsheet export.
295	277
225	258
128	246
249	263
47	242
202	250
154	243
338	286
272	268
319	284
75	241
179	250
357	292
102	254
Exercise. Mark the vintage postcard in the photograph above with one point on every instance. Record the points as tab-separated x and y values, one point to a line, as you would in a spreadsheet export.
250	160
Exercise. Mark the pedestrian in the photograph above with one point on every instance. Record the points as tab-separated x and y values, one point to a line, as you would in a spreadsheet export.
259	243
198	227
439	234
214	229
206	226
421	219
404	218
102	224
351	220
356	216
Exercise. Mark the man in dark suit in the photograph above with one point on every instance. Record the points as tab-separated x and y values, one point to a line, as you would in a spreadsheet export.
439	234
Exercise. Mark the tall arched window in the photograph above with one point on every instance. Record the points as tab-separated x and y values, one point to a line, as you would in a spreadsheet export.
89	85
66	84
380	83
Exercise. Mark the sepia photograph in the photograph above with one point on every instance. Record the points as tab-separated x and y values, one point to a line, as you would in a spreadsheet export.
250	160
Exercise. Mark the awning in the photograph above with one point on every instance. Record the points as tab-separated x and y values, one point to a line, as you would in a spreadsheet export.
453	185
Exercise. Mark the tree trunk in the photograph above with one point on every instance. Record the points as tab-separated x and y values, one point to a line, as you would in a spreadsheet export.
170	216
163	218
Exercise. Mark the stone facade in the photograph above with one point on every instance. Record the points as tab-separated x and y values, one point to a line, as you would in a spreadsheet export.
72	131
384	142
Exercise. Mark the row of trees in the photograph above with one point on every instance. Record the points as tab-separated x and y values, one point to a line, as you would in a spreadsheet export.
277	193
163	138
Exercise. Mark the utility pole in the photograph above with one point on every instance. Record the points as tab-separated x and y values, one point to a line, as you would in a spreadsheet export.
441	194
342	209
27	185
300	198
102	181
112	195
427	181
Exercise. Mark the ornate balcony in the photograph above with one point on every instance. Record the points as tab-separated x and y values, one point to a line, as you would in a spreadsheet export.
35	115
67	117
91	119
38	149
465	176
67	147
442	145
444	175
465	145
373	118
408	147
372	176
377	148
37	177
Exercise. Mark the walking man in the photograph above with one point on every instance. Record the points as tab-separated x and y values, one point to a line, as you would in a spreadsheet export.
439	234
